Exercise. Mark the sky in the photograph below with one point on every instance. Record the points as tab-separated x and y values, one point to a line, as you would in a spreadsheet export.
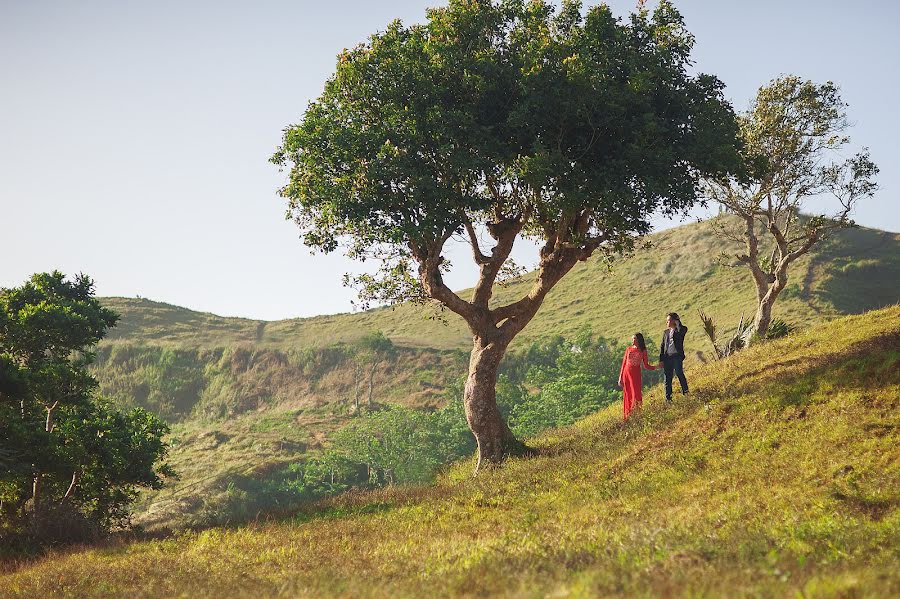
135	136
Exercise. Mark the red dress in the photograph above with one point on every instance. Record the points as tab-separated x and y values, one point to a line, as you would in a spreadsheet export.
630	375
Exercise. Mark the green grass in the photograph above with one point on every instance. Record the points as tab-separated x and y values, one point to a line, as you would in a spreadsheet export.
261	383
855	271
778	476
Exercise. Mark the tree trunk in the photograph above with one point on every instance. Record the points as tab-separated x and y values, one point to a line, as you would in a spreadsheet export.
372	381
763	318
495	440
764	308
75	477
36	495
357	381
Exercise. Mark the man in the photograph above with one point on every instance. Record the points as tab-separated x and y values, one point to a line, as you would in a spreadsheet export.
671	353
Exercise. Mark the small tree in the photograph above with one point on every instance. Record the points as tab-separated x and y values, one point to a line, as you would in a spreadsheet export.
791	136
512	120
67	448
370	352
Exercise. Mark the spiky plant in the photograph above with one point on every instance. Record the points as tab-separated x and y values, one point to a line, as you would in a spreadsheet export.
737	342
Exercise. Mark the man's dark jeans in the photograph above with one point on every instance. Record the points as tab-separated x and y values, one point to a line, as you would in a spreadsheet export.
674	364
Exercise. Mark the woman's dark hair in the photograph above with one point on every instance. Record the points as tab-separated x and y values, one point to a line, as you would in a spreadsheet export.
640	341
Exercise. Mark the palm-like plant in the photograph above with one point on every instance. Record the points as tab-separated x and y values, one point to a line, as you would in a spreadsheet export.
779	328
737	342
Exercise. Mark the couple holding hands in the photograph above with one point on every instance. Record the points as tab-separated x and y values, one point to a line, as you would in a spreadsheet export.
671	359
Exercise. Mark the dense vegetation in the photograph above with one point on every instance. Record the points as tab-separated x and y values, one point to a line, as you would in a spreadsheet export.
721	494
70	461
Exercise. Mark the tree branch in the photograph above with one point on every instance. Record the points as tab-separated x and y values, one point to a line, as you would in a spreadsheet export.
432	281
811	240
477	254
752	257
513	317
505	233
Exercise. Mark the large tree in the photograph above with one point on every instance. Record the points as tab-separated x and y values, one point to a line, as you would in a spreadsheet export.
792	138
513	119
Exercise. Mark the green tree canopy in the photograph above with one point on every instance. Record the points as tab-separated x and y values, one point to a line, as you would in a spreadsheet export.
513	119
68	453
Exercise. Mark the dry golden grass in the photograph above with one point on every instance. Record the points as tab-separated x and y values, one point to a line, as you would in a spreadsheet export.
778	476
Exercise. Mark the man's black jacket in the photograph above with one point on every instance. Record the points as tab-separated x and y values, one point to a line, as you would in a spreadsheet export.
678	336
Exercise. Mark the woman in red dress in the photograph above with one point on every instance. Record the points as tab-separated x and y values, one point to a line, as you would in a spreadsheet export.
630	374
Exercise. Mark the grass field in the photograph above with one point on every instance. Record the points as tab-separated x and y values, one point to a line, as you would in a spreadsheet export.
778	476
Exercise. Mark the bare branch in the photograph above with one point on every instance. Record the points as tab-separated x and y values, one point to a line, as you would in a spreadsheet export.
432	281
477	254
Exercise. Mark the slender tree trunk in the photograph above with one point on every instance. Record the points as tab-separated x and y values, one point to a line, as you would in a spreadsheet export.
372	381
36	495
764	308
75	477
358	380
36	488
495	440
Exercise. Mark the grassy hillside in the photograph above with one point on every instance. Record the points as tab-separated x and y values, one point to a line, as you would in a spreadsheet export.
778	476
250	396
857	270
244	412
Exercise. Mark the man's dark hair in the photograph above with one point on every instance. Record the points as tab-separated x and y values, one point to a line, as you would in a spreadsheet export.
674	316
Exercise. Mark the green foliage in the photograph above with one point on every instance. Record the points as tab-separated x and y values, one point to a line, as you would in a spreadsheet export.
394	445
573	378
74	462
495	113
400	445
736	343
779	328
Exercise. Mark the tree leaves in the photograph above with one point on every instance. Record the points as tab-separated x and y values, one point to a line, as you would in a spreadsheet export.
579	127
68	449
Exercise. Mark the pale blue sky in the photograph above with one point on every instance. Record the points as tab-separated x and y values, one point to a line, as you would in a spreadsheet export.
135	136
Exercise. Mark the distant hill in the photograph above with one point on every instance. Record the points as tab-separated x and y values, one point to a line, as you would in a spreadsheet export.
855	271
247	396
778	476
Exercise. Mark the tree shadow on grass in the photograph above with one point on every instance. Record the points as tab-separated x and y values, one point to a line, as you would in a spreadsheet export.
862	268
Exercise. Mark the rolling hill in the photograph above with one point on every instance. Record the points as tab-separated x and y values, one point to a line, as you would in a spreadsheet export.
778	476
246	396
856	270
